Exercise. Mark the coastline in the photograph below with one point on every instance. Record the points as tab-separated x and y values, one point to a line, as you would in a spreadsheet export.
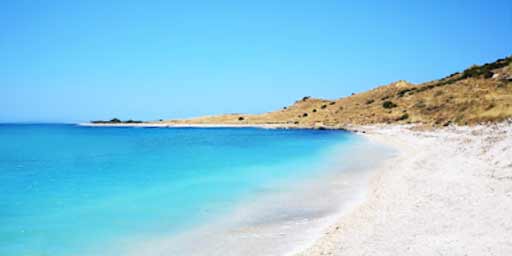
449	192
213	125
286	217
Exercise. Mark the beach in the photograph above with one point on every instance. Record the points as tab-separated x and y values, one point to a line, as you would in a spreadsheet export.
395	190
447	192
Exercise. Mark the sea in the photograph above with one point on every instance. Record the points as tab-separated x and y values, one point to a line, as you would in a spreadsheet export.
69	190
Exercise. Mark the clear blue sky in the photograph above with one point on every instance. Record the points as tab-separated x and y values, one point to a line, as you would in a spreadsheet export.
67	61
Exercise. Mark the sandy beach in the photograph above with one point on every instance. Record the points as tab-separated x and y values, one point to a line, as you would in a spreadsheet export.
448	192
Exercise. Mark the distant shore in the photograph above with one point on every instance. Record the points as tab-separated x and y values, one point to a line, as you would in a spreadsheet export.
192	125
448	193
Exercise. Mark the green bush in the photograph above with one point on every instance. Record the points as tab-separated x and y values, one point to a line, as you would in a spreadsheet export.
404	91
388	104
403	117
133	121
452	75
488	74
485	70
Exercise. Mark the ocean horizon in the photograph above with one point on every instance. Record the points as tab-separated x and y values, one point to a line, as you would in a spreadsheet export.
73	190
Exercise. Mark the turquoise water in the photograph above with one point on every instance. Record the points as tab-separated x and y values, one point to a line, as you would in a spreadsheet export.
71	190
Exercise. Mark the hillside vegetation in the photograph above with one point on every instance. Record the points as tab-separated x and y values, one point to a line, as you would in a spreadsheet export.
477	94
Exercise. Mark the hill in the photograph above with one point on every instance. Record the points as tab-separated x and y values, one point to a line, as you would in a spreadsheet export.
477	94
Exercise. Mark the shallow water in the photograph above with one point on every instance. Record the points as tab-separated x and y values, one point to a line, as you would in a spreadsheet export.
70	190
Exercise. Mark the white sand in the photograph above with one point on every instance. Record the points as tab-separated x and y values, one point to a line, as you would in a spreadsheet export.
449	192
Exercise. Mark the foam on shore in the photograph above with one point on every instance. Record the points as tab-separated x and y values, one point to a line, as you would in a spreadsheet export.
283	218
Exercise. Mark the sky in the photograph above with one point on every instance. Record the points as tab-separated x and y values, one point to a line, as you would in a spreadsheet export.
74	61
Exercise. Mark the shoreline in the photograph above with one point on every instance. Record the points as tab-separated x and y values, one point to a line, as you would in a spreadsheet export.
449	192
288	217
192	125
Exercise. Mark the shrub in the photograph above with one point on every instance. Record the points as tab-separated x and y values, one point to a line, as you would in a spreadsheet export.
404	91
305	114
485	69
133	121
332	103
370	101
403	117
241	118
323	106
452	75
388	104
488	74
314	110
115	120
472	72
306	98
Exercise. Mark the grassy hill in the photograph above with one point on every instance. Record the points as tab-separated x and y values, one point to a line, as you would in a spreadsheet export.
477	94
